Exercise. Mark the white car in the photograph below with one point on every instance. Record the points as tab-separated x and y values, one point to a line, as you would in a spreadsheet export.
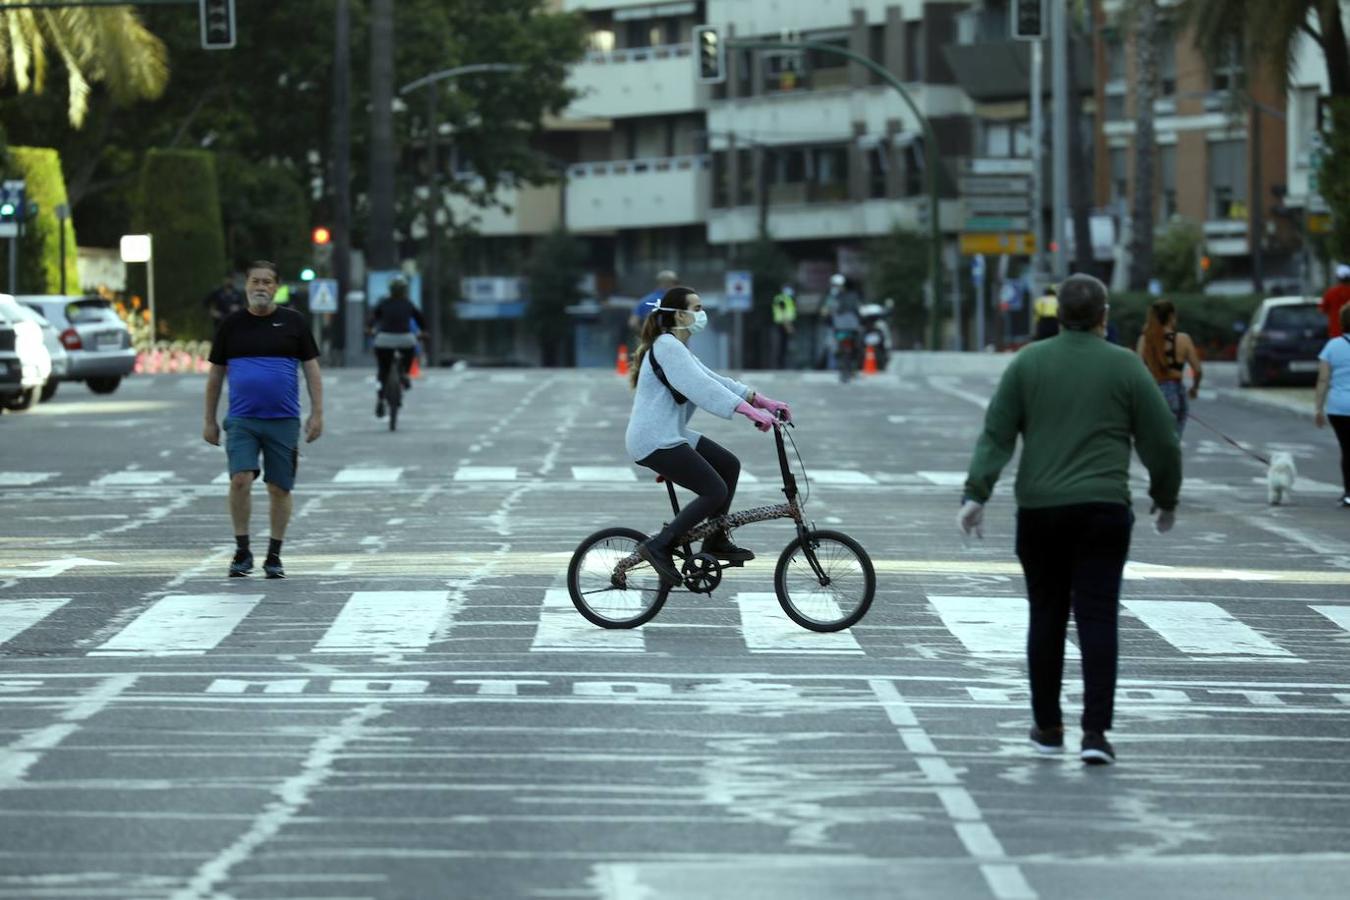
25	363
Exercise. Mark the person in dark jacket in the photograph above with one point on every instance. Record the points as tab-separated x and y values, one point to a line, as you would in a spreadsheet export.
392	324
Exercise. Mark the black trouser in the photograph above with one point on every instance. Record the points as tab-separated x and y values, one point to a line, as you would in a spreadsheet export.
1341	425
711	471
1073	558
384	358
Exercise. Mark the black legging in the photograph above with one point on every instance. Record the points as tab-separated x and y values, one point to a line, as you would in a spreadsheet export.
384	358
711	471
1341	425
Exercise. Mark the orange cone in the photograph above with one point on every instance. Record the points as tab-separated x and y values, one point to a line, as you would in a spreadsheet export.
621	364
869	361
416	370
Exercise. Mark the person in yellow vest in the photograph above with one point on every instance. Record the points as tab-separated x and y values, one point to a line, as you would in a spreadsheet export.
784	321
1045	315
283	295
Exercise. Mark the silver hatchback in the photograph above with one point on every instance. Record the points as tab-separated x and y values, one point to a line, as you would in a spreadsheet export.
97	341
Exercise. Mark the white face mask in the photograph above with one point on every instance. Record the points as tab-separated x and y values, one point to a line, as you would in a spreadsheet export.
700	319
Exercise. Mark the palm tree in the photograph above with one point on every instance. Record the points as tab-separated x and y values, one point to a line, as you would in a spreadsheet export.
1145	21
107	46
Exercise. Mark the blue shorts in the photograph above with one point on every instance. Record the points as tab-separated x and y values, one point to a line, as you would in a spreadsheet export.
277	440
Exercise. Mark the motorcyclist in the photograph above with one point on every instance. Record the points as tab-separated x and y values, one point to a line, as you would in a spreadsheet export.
841	311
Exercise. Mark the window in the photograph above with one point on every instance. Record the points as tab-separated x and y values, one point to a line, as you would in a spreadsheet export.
721	180
876	48
783	72
602	40
997	139
745	182
1300	317
1115	58
1115	107
828	174
1227	74
828	70
1167	178
878	166
1167	62
1120	185
914	51
1228	179
1305	123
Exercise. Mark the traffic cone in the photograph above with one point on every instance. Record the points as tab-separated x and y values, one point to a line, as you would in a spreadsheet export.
416	370
869	361
621	364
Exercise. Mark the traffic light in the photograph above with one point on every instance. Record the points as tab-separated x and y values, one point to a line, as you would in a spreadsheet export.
307	274
13	207
217	21
1028	20
710	56
321	241
322	235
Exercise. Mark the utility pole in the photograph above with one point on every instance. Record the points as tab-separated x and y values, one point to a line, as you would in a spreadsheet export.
380	250
1037	166
342	167
1059	78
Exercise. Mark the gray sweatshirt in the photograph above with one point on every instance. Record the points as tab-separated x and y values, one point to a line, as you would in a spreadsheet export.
658	422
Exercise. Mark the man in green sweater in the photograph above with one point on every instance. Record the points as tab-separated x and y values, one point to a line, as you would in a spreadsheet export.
1078	402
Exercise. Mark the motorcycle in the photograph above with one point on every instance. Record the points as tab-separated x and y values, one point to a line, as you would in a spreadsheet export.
876	333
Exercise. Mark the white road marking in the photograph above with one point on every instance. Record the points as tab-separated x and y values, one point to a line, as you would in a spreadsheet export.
944	479
182	625
388	622
17	616
1338	614
603	473
839	476
1201	627
52	567
222	478
563	630
767	629
24	479
131	478
368	475
989	626
1305	485
897	420
485	473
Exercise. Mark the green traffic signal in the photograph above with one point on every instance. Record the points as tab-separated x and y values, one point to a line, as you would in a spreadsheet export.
306	274
6	210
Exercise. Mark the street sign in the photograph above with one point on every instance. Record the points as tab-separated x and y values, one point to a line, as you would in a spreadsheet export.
995	184
995	165
998	206
997	223
1014	244
1010	297
977	267
740	291
323	293
1319	223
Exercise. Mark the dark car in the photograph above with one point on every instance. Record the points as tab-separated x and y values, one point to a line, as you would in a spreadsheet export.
1282	344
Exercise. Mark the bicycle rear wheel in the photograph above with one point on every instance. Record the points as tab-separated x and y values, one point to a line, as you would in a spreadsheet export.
393	393
625	601
836	596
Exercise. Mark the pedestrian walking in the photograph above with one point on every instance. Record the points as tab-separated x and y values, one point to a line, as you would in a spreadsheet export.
784	322
260	349
665	280
670	384
1167	352
1078	403
1335	299
1332	400
224	301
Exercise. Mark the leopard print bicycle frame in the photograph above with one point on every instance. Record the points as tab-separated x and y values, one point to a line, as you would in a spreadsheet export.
725	523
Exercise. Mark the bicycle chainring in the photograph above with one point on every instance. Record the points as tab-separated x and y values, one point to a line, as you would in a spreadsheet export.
702	573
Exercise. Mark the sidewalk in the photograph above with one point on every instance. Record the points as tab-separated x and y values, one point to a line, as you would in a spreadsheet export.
1297	400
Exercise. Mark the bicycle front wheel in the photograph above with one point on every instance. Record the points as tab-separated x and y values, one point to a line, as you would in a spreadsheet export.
607	599
393	395
834	592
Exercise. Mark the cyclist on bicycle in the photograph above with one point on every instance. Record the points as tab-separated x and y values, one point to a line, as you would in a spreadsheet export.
391	323
659	438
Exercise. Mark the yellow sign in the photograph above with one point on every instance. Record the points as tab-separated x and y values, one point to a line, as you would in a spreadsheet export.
1319	223
1011	244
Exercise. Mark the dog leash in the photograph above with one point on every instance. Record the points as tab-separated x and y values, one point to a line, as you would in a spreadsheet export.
1252	453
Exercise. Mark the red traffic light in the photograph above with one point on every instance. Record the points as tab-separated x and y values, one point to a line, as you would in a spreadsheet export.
322	235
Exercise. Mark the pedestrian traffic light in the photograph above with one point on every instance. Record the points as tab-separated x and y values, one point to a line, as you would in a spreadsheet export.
1028	20
710	57
307	274
322	236
321	255
13	207
217	22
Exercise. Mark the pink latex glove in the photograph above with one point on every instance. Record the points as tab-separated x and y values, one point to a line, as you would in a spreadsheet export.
773	407
763	421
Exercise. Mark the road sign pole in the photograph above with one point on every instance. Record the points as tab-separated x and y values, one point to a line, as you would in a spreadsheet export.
13	265
1037	167
1059	77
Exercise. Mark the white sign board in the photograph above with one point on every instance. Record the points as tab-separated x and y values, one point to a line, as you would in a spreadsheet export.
740	291
323	293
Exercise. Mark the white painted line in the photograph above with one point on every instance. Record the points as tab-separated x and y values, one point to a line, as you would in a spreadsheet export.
485	473
989	626
748	478
388	622
222	478
19	615
1198	626
131	478
1338	614
603	473
1308	484
897	420
839	476
183	625
24	479
944	479
767	629
563	630
368	475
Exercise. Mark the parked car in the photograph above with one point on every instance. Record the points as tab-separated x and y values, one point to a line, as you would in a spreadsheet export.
25	364
51	339
1282	344
97	341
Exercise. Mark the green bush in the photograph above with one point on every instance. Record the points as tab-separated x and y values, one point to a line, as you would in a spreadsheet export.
1208	319
40	247
178	203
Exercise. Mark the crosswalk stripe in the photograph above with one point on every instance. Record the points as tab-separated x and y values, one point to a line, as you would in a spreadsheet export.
222	478
183	625
840	476
989	626
17	616
767	629
388	622
1201	627
1338	614
604	473
368	475
24	479
485	473
944	479
562	629
131	478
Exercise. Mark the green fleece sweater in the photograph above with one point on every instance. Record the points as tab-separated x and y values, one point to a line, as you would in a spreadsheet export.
1077	401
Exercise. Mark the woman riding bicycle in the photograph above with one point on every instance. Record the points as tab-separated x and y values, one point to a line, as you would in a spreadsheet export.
668	390
391	323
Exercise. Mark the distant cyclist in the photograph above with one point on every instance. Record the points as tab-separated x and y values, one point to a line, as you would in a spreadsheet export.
670	383
841	307
392	324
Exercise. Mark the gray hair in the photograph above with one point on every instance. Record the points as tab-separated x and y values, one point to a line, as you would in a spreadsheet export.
1082	302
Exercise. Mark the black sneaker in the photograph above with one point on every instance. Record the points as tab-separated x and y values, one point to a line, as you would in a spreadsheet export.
1048	740
406	382
1097	750
1345	502
242	564
720	546
379	407
662	562
272	566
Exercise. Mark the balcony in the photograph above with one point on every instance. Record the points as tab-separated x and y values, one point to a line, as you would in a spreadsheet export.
532	209
824	221
831	114
646	81
637	193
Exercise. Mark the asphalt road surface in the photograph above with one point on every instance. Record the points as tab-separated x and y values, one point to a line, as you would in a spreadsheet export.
417	711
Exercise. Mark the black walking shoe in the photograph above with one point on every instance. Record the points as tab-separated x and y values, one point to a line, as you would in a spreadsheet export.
660	560
1345	502
379	407
272	566
1047	740
1097	750
242	564
720	546
406	382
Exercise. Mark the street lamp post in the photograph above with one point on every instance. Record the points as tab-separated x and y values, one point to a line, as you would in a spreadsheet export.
139	248
433	179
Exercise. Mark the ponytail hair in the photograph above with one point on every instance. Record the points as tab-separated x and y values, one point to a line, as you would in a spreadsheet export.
1160	312
657	323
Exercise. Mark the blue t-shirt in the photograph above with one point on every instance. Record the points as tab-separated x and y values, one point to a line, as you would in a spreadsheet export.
1337	355
262	355
647	304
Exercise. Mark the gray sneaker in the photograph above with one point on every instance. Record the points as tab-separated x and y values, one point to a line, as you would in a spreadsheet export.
241	565
1097	750
272	567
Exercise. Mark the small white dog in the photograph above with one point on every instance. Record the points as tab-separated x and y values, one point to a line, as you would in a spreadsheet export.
1280	477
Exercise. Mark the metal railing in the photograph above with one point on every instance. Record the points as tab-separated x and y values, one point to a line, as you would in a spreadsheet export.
639	54
644	166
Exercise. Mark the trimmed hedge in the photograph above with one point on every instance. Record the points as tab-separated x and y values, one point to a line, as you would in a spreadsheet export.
178	203
40	247
1209	319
